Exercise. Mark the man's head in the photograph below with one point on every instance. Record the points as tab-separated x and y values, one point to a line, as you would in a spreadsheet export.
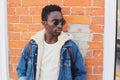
52	19
48	9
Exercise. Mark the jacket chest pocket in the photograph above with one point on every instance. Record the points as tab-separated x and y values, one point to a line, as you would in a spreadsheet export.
65	58
67	62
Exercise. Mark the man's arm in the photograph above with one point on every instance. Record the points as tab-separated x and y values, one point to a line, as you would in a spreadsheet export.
78	68
22	65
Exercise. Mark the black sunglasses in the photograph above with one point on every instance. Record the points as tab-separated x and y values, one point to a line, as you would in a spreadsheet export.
57	21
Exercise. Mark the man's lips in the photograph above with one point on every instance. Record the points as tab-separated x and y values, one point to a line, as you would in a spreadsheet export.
59	31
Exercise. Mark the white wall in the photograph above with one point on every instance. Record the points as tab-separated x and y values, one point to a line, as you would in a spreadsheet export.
4	67
109	39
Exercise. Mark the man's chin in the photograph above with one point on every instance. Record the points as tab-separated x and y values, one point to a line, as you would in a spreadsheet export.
58	33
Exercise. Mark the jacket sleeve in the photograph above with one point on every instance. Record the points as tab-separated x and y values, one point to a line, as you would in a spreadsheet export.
22	65
78	68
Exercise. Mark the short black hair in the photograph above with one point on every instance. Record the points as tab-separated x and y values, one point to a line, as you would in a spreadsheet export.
49	8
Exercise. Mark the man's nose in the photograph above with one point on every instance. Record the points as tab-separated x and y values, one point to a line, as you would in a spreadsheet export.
59	25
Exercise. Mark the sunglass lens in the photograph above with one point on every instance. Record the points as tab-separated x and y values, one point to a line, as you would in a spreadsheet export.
63	22
56	22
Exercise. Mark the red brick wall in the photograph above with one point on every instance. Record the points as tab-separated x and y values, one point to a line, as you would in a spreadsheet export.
24	21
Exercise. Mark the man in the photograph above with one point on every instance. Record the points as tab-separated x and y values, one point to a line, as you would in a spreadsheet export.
51	54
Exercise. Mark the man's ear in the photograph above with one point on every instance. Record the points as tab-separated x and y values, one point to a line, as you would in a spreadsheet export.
43	22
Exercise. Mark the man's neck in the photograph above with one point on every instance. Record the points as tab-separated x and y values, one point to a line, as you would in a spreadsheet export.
50	39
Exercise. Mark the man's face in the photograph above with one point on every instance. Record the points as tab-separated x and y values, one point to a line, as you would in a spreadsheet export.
54	23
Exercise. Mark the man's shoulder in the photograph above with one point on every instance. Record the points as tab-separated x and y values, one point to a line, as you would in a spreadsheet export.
33	43
70	43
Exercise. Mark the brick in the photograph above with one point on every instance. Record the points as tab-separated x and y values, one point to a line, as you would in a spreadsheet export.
89	54
34	3
77	3
97	11
15	52
97	37
95	45
13	19
37	19
26	19
11	70
94	77
77	11
77	19
98	54
14	67
17	44
21	11
94	62
98	20
35	11
65	10
14	3
26	36
97	29
20	27
89	69
13	75
10	27
14	36
14	60
65	28
34	28
11	11
10	67
94	11
57	2
98	70
100	3
88	11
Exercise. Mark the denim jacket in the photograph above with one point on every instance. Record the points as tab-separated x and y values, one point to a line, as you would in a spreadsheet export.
70	68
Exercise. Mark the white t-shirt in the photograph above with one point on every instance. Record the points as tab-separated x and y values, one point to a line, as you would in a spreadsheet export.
50	65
